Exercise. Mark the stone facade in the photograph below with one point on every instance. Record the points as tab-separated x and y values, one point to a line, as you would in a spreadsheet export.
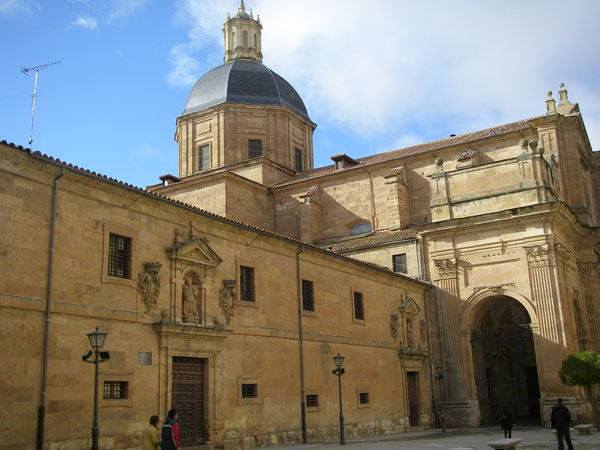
181	305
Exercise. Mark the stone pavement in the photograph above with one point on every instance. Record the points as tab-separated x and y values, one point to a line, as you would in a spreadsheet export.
534	438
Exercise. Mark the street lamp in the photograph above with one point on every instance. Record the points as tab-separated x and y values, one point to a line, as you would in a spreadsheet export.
96	339
440	377
339	371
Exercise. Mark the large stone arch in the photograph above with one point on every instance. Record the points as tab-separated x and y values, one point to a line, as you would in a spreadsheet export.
498	325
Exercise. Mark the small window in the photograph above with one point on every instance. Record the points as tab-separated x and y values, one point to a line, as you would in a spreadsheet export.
254	148
119	256
255	46
233	43
359	312
298	157
203	157
116	389
308	300
312	401
247	283
399	263
363	227
245	39
249	390
363	398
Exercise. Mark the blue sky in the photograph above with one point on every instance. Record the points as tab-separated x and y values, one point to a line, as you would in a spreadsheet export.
374	76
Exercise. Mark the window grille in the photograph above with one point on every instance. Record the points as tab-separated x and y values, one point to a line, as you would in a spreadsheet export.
203	157
298	157
363	227
119	256
312	400
308	300
363	398
254	148
249	390
399	263
247	283
116	389
359	313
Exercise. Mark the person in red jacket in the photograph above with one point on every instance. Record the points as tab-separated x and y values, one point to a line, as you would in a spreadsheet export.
170	432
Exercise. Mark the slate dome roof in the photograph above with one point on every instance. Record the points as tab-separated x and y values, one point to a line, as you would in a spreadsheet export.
243	81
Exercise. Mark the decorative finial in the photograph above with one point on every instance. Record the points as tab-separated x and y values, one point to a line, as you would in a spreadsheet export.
550	104
228	18
564	100
258	18
251	13
523	144
242	6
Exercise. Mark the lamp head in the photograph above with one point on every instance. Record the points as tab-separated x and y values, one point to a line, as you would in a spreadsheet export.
338	360
87	355
97	338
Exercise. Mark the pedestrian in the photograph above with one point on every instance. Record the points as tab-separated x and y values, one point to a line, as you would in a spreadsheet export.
506	421
560	420
170	431
151	436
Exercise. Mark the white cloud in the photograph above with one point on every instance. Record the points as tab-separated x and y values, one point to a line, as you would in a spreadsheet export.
122	9
186	68
11	8
426	68
89	23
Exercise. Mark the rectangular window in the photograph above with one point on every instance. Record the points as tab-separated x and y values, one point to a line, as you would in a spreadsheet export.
119	256
363	398
298	160
312	401
359	312
249	390
254	148
116	389
247	283
203	157
399	263
308	300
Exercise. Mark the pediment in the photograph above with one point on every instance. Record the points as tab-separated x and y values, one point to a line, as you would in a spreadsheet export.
410	307
195	251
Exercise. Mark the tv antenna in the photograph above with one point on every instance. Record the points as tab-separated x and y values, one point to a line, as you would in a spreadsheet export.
36	69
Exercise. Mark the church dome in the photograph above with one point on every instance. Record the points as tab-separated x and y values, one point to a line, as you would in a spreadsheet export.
243	81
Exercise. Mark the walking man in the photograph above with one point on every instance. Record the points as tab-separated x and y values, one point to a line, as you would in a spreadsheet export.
561	420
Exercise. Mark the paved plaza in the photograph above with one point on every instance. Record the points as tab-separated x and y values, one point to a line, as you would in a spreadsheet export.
534	438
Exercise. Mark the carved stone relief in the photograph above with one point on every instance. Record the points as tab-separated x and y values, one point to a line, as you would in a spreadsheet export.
537	256
228	299
446	267
394	325
148	284
191	297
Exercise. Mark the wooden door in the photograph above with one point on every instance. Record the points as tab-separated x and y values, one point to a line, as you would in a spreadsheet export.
188	398
412	382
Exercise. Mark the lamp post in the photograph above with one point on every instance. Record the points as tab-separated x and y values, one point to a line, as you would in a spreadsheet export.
96	339
339	371
440	377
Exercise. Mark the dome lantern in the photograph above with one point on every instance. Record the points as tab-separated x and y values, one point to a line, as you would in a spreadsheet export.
242	35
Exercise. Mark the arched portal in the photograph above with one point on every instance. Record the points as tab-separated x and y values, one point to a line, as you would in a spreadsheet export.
504	361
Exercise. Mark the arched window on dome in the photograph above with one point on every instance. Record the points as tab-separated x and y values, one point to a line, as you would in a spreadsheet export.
245	40
255	44
233	45
362	227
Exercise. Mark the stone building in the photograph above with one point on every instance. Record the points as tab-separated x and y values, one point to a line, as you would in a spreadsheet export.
226	290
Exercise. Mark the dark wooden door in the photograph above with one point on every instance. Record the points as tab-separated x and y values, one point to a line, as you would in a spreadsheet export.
188	398
412	382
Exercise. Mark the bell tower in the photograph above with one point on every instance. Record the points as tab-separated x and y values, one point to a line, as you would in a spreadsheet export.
242	36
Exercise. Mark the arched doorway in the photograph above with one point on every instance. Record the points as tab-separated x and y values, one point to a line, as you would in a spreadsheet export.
504	361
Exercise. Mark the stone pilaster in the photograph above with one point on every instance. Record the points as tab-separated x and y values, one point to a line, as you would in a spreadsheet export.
589	273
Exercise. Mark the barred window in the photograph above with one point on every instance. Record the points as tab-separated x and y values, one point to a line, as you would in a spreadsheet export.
312	401
249	390
119	256
298	159
308	300
247	283
254	148
399	263
359	312
116	389
363	398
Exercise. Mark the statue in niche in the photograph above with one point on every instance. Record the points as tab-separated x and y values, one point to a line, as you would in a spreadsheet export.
227	299
394	325
148	284
191	295
410	342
